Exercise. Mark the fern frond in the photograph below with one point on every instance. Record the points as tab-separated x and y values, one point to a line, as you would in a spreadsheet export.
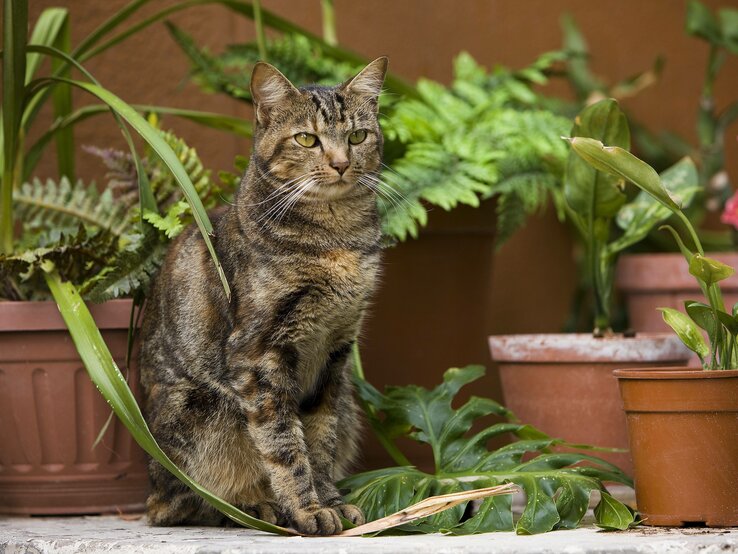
130	271
301	61
61	207
77	256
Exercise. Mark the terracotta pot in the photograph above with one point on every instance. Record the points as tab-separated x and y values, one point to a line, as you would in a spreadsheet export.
651	281
438	287
683	427
51	413
563	383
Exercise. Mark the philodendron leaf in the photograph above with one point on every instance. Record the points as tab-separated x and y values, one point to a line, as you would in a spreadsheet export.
556	485
703	316
709	270
686	330
622	163
613	515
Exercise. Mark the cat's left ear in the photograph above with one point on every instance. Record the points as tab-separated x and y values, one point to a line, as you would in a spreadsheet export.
368	82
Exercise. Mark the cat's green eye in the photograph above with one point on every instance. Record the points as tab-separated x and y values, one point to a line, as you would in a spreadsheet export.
357	137
306	139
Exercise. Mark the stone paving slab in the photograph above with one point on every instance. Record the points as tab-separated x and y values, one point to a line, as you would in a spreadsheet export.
66	535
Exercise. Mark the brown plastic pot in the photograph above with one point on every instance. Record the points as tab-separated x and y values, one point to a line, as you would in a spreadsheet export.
51	413
683	427
563	383
651	281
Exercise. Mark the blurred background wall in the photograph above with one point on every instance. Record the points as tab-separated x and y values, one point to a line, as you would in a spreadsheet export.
534	273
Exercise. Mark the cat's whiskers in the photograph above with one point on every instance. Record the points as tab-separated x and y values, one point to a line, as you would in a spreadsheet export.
300	192
381	194
401	200
284	203
279	191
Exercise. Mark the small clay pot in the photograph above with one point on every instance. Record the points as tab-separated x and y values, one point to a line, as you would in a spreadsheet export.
683	428
651	281
563	383
51	413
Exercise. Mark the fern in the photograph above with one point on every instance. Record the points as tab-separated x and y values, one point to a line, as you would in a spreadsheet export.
49	209
294	55
483	136
130	271
78	256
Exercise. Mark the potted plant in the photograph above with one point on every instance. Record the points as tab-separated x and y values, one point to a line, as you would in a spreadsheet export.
653	279
59	454
539	371
682	423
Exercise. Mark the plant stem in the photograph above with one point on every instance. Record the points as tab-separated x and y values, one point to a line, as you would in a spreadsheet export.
371	415
259	25
329	22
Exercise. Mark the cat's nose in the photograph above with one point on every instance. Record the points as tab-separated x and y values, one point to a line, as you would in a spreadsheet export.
340	165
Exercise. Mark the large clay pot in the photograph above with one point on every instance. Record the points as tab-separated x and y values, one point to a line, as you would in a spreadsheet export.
563	383
651	281
432	310
683	427
51	413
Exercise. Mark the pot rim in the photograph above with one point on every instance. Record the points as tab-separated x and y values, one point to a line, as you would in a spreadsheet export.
673	373
43	315
583	348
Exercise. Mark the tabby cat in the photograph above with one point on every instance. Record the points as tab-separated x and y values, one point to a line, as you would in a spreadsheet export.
253	398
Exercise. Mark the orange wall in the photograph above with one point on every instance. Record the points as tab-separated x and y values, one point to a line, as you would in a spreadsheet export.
534	274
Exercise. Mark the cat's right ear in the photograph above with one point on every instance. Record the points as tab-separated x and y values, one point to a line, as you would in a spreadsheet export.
269	88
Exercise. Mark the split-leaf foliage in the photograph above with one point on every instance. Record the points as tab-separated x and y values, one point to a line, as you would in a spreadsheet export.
557	485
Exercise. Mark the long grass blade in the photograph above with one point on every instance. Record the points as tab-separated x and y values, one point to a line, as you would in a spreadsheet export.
15	35
112	385
45	32
61	99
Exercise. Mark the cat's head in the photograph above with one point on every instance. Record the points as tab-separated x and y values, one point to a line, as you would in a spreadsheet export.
326	140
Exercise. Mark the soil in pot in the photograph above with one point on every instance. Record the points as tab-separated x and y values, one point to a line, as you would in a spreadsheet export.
563	383
651	281
683	428
51	414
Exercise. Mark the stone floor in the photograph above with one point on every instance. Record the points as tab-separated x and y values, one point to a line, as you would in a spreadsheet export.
128	534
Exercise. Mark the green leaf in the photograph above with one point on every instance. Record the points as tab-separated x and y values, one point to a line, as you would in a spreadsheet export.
729	28
591	193
613	515
686	330
703	315
701	22
640	216
622	163
709	270
729	321
557	488
112	385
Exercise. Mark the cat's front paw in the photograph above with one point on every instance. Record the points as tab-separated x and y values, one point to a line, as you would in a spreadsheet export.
316	521
350	512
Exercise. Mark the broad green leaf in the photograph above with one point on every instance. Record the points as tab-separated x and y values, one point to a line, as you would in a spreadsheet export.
110	381
613	515
639	217
686	330
556	486
589	192
729	28
622	163
709	270
703	315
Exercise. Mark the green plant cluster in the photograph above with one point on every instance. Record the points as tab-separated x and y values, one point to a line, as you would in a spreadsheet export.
96	238
557	485
720	324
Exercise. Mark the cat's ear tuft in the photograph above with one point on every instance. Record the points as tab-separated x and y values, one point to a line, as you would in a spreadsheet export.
269	88
368	82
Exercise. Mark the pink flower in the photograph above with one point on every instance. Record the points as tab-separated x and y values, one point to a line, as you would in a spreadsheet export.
730	213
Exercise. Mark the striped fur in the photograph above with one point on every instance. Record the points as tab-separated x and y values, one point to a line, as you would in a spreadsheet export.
253	398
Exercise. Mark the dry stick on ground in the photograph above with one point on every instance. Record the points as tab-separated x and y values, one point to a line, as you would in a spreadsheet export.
428	507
